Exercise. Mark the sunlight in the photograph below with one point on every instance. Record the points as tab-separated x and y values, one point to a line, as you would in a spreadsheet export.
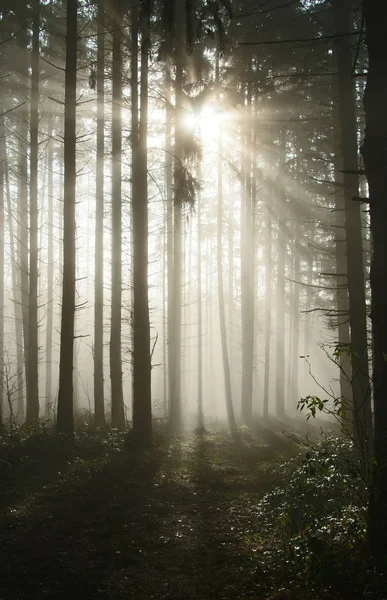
206	123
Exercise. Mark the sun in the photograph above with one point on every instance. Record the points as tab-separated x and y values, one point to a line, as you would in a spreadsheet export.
206	124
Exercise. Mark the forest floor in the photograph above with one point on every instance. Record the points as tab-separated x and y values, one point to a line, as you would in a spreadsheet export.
176	522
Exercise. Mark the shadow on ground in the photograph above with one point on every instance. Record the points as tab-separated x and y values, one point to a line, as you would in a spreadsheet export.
167	524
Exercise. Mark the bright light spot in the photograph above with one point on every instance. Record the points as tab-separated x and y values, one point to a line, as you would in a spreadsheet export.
206	124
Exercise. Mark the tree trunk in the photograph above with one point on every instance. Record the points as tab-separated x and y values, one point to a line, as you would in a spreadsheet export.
50	266
247	271
268	308
99	406
375	160
32	407
16	294
142	402
295	352
65	419
281	289
362	417
2	295
169	211
200	310
176	309
341	281
117	398
222	312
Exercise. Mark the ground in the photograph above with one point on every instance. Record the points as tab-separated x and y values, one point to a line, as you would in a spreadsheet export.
169	523
175	522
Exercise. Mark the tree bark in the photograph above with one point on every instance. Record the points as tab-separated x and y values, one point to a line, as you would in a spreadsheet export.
99	407
65	419
176	309
362	417
375	160
281	289
247	269
268	308
200	310
142	402
32	406
50	266
2	295
222	312
117	398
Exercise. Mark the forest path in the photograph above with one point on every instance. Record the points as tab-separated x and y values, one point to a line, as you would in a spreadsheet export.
175	523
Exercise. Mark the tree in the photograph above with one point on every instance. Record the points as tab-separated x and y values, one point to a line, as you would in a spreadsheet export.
142	404
118	414
222	312
32	407
375	160
65	419
178	176
362	418
99	410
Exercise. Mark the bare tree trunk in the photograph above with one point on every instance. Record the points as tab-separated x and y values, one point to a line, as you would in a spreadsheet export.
222	313
2	295
247	271
16	294
375	160
281	288
117	398
32	407
65	418
295	353
50	266
342	293
175	333
362	417
200	310
142	402
99	407
268	308
169	211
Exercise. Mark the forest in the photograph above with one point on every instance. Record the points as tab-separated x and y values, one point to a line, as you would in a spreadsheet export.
193	299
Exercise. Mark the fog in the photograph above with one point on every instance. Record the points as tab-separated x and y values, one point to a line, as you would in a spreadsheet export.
244	222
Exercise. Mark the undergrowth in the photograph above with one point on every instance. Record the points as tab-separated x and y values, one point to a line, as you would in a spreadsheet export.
31	456
311	529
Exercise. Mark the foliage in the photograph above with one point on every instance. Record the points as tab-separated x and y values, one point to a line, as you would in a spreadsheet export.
30	456
314	527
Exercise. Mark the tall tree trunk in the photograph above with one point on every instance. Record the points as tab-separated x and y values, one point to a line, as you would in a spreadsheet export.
16	293
117	398
281	289
222	312
341	281
142	402
230	285
375	160
32	407
175	333
65	418
99	407
2	237
362	417
50	266
200	309
268	308
295	353
247	270
169	211
22	219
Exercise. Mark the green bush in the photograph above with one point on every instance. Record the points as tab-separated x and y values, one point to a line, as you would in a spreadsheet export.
315	522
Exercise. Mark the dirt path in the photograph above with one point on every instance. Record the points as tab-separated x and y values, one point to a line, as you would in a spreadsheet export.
172	524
